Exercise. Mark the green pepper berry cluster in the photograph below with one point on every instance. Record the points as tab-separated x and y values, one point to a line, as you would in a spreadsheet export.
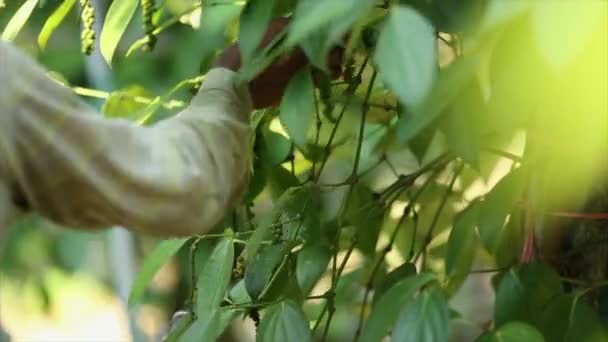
148	9
87	36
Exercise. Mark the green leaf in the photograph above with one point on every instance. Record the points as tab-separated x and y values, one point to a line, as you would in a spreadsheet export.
563	29
276	148
54	21
284	321
152	264
449	84
461	247
461	125
215	19
255	241
124	104
408	269
297	107
387	309
261	269
496	207
406	55
366	213
211	288
423	319
18	20
313	15
254	21
114	26
571	319
513	332
524	293
319	42
500	12
311	265
211	331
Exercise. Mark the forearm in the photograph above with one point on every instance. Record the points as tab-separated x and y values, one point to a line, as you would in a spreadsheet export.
69	164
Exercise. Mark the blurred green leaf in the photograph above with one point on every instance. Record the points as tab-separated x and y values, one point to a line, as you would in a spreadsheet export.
366	213
312	15
407	55
423	319
126	103
115	24
571	319
284	321
386	311
18	20
254	21
523	293
461	247
211	286
312	264
159	256
297	107
496	207
563	28
513	332
53	21
408	269
318	44
461	124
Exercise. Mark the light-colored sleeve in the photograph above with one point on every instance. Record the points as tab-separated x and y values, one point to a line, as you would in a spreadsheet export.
59	158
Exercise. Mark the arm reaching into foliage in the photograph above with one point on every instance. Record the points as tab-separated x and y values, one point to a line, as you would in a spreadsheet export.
61	159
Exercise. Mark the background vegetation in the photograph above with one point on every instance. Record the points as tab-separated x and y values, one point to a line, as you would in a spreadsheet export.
464	148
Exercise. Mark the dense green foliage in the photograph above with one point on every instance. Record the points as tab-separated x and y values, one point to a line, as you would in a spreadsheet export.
458	128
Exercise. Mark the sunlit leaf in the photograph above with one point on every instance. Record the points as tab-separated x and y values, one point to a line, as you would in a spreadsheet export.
114	26
407	55
424	318
152	264
563	28
386	310
297	107
284	321
18	20
254	20
54	21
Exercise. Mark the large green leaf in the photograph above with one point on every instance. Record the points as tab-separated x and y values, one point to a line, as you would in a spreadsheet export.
18	20
211	288
313	15
571	319
276	148
408	269
254	20
461	247
312	264
423	319
319	42
524	293
284	321
406	55
261	269
387	309
297	107
114	26
496	207
152	264
54	21
563	28
513	332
